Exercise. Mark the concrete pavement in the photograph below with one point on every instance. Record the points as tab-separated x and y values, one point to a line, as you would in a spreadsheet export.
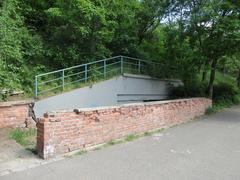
205	149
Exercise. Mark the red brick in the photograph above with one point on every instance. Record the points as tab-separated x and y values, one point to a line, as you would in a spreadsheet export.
84	129
13	114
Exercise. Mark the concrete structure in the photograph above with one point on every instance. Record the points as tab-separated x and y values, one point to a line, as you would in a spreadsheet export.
64	131
120	90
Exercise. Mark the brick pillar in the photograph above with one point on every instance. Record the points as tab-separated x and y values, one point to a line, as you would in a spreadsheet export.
44	146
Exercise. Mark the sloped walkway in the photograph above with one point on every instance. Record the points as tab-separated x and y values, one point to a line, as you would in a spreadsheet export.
207	149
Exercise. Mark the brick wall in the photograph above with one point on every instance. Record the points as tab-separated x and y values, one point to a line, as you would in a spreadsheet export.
14	113
64	131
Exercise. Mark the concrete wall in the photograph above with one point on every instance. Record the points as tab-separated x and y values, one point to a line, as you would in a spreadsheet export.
123	89
64	131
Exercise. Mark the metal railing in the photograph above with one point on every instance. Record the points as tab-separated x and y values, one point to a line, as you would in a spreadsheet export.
80	75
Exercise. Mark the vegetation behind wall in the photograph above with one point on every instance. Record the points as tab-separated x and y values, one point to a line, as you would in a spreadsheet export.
191	40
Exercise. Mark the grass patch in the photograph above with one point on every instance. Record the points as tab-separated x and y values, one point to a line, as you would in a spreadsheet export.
110	143
223	103
220	77
25	137
81	152
217	107
114	142
148	134
131	137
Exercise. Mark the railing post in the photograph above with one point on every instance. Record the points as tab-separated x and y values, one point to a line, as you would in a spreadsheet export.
121	65
36	87
63	79
86	73
105	68
139	66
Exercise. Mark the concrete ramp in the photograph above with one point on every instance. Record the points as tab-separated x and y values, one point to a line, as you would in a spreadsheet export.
126	88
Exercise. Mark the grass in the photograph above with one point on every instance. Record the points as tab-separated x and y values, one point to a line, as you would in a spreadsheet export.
132	137
114	142
81	152
219	78
223	104
223	78
25	137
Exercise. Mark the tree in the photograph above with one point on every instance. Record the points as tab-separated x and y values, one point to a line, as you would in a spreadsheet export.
224	34
213	27
19	48
76	31
149	16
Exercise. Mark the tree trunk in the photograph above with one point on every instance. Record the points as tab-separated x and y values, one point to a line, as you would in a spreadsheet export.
204	74
238	78
224	70
212	78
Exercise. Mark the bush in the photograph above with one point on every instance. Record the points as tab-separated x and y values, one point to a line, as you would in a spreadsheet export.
236	99
225	91
194	89
225	94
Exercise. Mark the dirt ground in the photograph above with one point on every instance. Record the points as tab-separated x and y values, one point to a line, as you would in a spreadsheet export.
14	157
9	149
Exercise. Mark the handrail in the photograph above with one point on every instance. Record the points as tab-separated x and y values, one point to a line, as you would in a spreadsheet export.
62	75
142	60
77	66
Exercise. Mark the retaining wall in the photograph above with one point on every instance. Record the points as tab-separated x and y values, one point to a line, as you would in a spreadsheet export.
14	114
64	131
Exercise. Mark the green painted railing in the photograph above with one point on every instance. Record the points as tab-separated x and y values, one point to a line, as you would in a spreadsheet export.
69	78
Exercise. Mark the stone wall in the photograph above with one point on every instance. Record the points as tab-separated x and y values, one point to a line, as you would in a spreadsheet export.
14	114
64	131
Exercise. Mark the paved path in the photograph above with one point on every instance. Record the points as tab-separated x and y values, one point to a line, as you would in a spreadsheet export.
206	149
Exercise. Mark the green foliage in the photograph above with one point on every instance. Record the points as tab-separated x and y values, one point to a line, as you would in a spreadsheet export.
194	89
225	91
19	49
221	104
37	36
79	30
81	152
132	137
25	137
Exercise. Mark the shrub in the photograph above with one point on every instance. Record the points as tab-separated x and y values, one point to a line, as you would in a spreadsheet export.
194	89
225	91
236	99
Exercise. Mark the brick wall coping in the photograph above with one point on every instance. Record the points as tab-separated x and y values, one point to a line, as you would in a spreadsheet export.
15	103
77	110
